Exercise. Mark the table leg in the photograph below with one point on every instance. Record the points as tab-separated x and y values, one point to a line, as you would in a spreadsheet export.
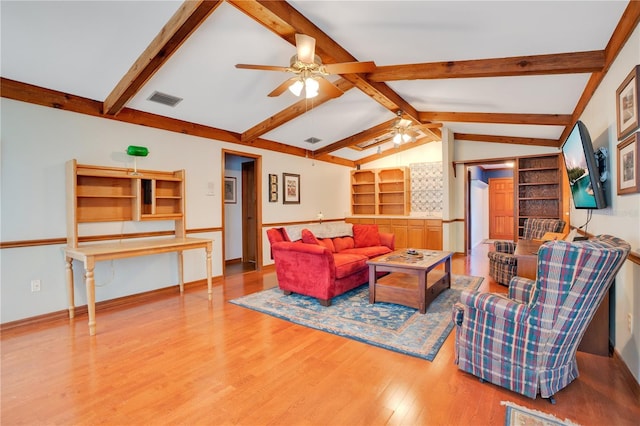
447	270
70	293
372	283
422	291
181	271
209	287
91	296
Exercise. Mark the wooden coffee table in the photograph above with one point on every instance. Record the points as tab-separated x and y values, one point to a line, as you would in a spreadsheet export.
413	280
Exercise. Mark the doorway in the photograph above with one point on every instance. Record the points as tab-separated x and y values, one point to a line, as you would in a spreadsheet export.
489	208
242	223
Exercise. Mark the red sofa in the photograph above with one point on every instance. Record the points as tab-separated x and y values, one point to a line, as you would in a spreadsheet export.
326	267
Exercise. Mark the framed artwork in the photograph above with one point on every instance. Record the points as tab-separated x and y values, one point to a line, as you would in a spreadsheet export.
627	160
290	188
627	104
273	188
230	190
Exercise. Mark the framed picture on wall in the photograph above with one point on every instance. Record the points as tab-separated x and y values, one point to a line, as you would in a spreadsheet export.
627	103
230	191
290	188
627	161
273	188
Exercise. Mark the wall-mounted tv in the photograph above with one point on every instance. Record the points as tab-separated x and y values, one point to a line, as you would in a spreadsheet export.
582	169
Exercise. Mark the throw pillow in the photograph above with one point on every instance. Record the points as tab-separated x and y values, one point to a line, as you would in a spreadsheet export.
342	243
309	238
366	235
328	243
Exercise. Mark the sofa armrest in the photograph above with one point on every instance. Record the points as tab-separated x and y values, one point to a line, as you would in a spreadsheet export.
303	266
388	239
508	247
497	305
520	289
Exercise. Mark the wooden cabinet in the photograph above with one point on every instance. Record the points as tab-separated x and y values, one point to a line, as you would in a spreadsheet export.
380	191
409	233
539	191
110	194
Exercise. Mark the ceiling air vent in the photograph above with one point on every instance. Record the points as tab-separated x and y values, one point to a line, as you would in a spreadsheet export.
164	99
312	140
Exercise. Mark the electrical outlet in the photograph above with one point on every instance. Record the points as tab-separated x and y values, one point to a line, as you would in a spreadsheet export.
35	285
629	321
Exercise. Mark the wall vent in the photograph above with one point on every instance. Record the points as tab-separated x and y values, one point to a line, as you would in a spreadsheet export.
164	99
312	140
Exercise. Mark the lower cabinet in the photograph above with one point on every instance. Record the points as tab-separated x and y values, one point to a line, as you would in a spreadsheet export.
409	233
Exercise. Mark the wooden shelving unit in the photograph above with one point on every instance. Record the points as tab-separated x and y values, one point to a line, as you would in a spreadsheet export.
380	191
393	191
110	194
539	189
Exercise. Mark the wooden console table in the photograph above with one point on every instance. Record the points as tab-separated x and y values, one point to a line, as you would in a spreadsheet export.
90	254
596	337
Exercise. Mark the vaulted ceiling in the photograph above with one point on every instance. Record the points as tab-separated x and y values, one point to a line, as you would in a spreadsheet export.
516	72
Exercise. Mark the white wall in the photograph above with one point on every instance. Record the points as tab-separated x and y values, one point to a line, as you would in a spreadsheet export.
622	217
36	143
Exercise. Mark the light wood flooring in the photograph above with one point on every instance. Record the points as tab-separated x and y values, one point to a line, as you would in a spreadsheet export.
178	360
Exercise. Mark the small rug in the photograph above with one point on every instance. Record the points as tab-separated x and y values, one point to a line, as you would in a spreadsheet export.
521	416
386	325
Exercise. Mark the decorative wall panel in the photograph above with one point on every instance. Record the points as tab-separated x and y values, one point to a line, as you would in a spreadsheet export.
427	187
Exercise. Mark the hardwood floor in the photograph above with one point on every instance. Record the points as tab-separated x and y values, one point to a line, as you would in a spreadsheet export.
178	360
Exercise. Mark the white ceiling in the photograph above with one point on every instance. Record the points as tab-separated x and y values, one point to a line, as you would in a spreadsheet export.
84	48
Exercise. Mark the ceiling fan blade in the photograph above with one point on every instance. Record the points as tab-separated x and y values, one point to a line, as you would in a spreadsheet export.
282	87
306	47
329	89
262	67
350	67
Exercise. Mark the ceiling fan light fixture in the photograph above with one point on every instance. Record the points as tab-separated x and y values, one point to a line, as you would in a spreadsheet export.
397	139
311	87
296	87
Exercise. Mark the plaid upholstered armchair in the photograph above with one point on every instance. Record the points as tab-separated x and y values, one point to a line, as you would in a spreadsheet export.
502	263
526	341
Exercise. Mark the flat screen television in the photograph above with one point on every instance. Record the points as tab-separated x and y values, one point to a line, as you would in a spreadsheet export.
583	170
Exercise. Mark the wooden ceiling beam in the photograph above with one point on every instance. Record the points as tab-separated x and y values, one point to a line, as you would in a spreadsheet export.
395	150
282	19
24	92
497	118
365	135
508	139
563	63
175	32
288	114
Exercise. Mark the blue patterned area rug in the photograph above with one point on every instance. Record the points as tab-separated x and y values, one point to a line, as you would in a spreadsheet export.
398	328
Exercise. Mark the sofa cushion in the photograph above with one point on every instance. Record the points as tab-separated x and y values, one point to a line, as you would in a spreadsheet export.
369	251
366	235
349	263
343	243
328	243
308	237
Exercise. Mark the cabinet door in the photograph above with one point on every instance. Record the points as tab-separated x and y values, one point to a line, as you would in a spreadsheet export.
434	235
384	225
416	234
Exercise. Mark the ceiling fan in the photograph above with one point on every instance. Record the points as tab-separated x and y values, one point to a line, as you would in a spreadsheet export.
310	71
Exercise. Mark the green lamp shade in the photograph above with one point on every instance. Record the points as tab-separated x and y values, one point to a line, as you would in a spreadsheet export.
137	151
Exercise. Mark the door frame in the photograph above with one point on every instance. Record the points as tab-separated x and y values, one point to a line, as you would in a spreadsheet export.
258	213
467	192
